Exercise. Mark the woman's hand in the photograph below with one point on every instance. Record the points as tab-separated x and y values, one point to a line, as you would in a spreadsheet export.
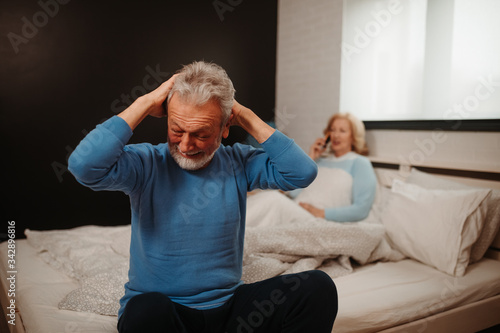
313	210
318	148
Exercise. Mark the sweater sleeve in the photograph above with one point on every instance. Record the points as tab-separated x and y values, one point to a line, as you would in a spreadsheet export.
102	162
281	164
363	194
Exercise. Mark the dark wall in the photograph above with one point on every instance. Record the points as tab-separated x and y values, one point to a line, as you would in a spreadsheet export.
65	66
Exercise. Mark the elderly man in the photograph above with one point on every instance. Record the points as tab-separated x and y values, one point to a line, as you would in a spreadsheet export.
188	200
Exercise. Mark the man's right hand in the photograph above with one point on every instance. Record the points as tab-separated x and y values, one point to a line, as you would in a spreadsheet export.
158	97
151	104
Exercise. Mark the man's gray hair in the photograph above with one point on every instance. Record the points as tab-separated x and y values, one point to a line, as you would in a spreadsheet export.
200	82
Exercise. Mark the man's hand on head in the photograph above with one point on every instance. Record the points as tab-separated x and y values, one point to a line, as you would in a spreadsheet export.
151	104
158	98
245	118
235	118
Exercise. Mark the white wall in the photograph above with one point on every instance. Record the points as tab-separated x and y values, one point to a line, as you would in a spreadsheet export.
308	86
461	150
308	67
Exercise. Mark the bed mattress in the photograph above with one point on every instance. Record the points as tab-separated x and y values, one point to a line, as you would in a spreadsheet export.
372	298
383	295
40	288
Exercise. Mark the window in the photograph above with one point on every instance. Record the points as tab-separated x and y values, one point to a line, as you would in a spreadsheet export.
418	62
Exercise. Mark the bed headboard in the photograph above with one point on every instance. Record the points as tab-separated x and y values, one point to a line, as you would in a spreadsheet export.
387	171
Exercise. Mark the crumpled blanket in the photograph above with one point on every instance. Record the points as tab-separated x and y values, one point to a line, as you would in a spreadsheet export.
313	244
97	257
283	238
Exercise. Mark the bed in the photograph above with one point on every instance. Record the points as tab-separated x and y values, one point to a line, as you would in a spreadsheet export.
69	280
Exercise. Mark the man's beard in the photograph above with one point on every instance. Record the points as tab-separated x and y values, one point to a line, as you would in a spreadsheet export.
191	163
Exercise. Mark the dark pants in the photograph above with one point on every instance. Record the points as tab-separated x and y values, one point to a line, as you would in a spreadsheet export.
303	302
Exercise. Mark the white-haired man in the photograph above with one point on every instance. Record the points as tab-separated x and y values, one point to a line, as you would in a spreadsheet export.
188	202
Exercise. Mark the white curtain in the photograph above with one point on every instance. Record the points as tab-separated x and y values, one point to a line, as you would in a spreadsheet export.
419	59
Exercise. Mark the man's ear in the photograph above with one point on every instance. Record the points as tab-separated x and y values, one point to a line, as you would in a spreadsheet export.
225	130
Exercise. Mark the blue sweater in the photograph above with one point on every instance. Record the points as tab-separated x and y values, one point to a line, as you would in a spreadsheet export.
187	226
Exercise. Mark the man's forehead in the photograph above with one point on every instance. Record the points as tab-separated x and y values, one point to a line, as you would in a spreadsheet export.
184	112
191	126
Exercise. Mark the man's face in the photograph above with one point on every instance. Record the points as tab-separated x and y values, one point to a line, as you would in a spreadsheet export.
194	132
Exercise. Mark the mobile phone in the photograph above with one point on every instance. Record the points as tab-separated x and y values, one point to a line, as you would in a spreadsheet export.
328	137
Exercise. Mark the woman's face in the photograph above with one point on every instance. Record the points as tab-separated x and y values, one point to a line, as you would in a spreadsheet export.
341	136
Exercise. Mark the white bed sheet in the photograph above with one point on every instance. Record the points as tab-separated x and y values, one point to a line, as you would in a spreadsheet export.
39	289
374	297
383	295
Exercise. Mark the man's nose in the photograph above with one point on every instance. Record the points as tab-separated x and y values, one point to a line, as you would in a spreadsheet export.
186	143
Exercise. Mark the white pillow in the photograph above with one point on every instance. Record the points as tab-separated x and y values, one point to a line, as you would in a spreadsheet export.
491	207
435	227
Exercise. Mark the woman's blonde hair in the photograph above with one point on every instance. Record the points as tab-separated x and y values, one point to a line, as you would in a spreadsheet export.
357	129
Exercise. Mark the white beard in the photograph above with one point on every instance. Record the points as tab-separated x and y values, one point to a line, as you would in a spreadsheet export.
187	163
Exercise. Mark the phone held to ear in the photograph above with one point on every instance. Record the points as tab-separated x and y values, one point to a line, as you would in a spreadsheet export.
327	139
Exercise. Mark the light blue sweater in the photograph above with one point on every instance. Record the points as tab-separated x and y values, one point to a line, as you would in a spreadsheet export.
364	185
187	226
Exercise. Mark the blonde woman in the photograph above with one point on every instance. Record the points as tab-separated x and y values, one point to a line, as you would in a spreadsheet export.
345	188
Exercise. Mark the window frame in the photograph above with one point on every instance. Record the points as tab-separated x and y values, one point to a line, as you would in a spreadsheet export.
481	125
